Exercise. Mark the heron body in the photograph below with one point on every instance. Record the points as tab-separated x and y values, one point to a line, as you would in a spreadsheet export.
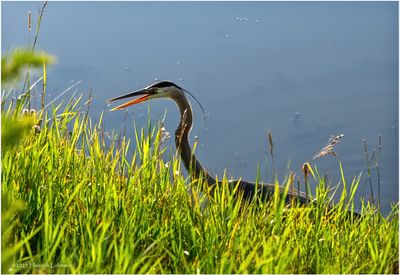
167	89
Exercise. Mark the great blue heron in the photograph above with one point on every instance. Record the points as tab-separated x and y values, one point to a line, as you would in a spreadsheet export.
167	89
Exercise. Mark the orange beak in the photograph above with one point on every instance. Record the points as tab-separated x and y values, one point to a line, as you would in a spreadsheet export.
145	94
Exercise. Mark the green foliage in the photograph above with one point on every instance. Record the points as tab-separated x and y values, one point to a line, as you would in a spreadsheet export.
13	64
83	207
14	129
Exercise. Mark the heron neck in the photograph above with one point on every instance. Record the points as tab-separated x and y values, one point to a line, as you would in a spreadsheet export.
190	161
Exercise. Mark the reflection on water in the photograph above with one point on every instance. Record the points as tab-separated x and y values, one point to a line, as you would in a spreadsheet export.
305	71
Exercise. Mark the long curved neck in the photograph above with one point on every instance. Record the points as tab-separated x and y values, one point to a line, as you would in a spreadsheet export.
182	140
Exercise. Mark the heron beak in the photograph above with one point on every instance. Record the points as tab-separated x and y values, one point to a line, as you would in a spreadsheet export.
144	93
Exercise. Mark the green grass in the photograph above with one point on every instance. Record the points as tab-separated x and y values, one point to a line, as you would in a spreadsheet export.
72	202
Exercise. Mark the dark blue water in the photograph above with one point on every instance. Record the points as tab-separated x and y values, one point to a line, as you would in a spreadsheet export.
305	71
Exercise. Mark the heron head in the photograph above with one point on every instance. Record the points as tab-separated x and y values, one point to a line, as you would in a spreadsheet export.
162	89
